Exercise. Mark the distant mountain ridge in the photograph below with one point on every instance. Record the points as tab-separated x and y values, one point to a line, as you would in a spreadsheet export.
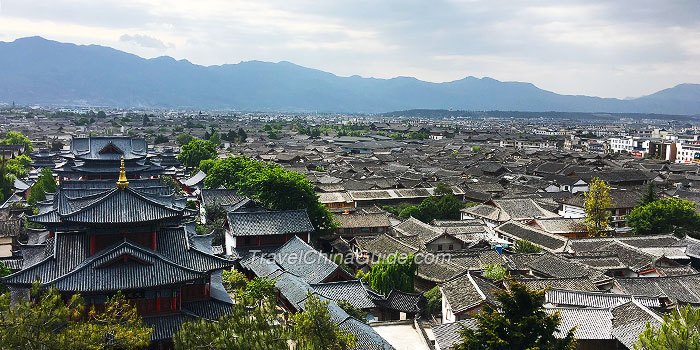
38	71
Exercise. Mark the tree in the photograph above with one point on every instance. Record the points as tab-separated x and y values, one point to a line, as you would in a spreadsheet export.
47	322
160	138
16	138
519	322
47	181
4	271
356	313
668	215
526	247
597	204
649	195
206	164
233	280
184	139
19	166
393	272
433	301
7	180
215	138
679	331
101	114
495	272
446	207
118	327
196	151
442	189
252	324
36	194
242	136
476	149
313	329
449	207
273	186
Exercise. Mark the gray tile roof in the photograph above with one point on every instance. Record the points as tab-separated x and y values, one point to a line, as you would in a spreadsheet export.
563	297
299	258
92	148
681	289
222	197
590	323
354	292
269	222
467	291
518	231
448	334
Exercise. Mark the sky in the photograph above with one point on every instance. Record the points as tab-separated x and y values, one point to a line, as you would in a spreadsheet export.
601	48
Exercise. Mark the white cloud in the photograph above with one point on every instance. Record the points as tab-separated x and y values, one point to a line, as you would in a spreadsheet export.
596	47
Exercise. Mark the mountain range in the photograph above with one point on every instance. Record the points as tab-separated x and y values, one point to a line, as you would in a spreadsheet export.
35	70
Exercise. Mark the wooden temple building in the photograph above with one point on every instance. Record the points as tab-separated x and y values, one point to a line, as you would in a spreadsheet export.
97	158
132	236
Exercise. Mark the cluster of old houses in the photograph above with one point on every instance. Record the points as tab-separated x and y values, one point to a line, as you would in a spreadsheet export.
101	236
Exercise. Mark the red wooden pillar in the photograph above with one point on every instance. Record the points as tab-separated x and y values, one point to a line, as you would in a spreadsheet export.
179	299
92	245
157	303
50	234
258	241
153	240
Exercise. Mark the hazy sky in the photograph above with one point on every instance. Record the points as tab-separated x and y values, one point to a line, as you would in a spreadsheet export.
602	48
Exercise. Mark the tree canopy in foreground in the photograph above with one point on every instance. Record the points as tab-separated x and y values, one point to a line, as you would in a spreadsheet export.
518	323
668	215
680	331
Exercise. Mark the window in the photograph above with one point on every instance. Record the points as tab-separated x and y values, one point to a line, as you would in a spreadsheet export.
439	247
451	247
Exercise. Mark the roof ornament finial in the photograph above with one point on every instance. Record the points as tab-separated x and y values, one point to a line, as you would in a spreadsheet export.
122	183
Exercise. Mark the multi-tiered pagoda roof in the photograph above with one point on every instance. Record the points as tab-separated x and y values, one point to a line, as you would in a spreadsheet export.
132	236
95	158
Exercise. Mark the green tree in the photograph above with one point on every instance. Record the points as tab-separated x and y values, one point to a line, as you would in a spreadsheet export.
273	186
442	189
313	329
449	207
433	301
101	114
519	322
206	164
4	271
597	204
233	280
160	138
393	272
47	181
7	181
196	151
19	166
526	247
47	322
357	313
476	149
242	135
118	327
252	324
184	139
679	331
215	138
36	194
668	215
17	138
649	195
495	272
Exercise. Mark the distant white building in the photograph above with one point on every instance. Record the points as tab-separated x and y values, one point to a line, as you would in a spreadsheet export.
619	144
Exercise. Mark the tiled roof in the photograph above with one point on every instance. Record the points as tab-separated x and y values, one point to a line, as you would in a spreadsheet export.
269	222
590	323
405	302
92	147
363	220
563	297
519	231
467	291
301	259
448	334
682	289
523	208
222	197
354	292
576	283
